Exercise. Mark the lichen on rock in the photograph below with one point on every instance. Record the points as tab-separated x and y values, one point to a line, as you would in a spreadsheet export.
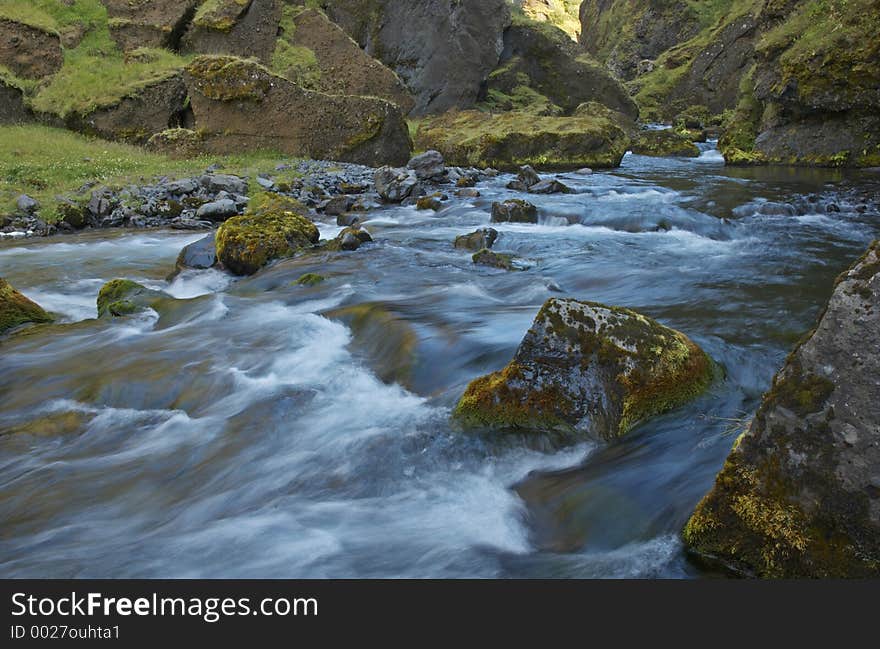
588	369
16	309
799	495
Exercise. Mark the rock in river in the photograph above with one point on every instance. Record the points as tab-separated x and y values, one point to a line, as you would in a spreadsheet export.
122	297
273	227
799	495
514	211
478	240
16	309
588	369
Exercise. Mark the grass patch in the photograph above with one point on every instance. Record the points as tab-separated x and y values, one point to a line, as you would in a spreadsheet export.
45	162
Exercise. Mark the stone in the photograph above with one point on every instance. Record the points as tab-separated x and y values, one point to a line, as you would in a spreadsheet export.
339	205
350	239
549	187
347	219
525	178
217	211
514	211
665	143
394	185
199	255
586	369
216	183
427	165
16	309
26	204
273	227
430	203
484	238
498	260
468	192
123	297
797	496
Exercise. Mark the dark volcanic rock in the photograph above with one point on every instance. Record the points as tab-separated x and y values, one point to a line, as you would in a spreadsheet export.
799	495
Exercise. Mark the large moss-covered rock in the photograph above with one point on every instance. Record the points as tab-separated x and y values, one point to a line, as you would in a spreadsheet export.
317	53
29	51
542	69
799	495
588	369
511	140
273	227
123	297
813	95
16	309
149	23
442	49
240	105
666	143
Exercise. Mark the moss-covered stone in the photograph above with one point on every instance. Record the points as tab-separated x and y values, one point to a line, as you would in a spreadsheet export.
586	368
511	140
16	309
486	257
273	227
310	279
664	144
179	143
123	297
228	78
798	495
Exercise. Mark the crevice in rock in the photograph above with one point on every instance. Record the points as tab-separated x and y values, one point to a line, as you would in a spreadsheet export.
174	39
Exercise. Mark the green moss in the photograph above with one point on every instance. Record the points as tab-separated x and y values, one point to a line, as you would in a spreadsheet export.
229	78
273	227
511	140
486	257
220	15
115	298
16	309
310	279
664	144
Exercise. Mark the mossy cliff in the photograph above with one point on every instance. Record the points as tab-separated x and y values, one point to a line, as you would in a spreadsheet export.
559	13
513	139
799	494
239	104
588	369
273	227
16	309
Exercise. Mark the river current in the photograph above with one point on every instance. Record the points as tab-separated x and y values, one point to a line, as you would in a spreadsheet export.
247	431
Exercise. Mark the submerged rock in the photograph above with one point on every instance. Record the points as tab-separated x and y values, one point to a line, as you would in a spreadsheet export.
486	257
799	494
514	210
476	241
310	279
273	227
588	369
16	309
123	297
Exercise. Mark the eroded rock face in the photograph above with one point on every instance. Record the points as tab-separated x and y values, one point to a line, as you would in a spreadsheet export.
799	495
12	106
246	28
542	58
588	369
240	105
29	52
443	49
273	227
149	23
16	309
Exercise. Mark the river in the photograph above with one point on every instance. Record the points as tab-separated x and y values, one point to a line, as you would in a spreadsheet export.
245	432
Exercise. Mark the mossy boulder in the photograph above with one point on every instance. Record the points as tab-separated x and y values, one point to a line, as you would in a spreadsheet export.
514	210
240	105
477	240
587	369
541	69
273	227
16	309
799	494
123	297
500	260
664	144
510	140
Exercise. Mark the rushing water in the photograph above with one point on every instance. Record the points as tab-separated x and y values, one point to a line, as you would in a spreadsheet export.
245	431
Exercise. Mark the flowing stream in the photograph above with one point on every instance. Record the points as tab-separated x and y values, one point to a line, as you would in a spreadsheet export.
246	432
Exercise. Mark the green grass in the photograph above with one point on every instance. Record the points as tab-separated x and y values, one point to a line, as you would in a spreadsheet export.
45	162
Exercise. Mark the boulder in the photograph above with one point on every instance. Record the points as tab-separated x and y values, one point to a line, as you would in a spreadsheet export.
543	70
550	186
588	369
216	183
428	165
26	204
29	51
482	239
123	297
510	140
272	227
442	49
525	178
799	494
350	239
514	211
239	105
16	309
394	185
199	255
337	64
217	211
432	202
486	257
664	144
